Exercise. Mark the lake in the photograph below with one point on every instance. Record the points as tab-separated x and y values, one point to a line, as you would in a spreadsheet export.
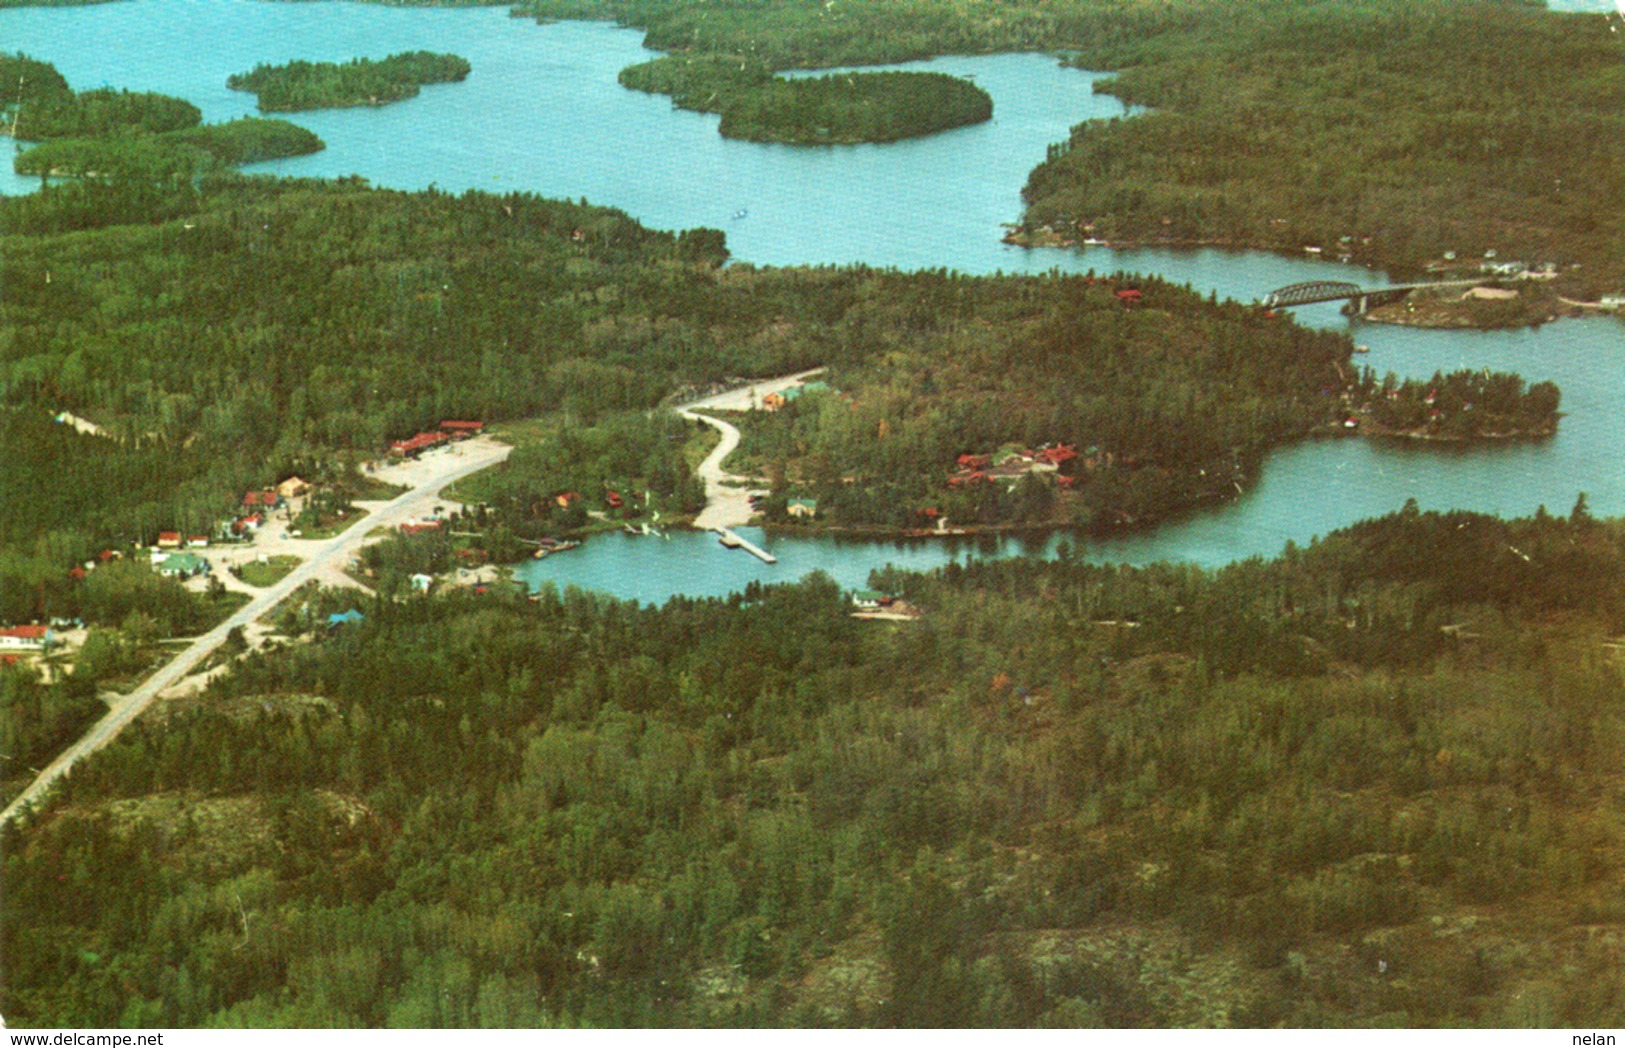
541	112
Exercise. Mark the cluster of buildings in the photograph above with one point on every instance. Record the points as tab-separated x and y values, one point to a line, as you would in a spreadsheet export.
775	401
1010	463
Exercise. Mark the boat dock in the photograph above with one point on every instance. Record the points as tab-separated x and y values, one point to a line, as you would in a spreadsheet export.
733	541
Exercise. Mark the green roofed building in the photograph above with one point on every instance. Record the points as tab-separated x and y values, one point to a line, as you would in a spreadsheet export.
182	566
796	392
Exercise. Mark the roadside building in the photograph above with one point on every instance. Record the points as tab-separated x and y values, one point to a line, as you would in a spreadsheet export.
169	540
412	447
25	638
267	499
183	566
292	488
462	429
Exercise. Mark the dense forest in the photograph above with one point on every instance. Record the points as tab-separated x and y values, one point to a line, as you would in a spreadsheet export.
848	108
36	104
1370	782
102	111
1279	124
170	156
303	85
1320	124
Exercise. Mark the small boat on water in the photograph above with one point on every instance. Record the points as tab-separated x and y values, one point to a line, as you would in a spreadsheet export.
729	539
741	213
550	545
1362	349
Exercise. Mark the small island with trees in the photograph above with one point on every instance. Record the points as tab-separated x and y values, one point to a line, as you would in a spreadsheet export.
301	85
842	108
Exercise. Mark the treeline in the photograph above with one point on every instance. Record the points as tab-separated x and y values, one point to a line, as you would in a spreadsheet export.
171	156
1354	785
799	34
300	85
848	108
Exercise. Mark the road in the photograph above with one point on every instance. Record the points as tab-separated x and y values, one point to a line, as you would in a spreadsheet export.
323	558
727	496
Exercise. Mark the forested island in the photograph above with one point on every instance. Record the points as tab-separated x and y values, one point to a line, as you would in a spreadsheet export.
1279	125
848	108
139	138
1368	782
301	85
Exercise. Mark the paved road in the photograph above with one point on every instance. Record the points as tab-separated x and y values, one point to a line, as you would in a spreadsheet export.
330	555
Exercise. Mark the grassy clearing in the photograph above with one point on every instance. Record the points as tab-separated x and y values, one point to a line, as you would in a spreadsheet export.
268	572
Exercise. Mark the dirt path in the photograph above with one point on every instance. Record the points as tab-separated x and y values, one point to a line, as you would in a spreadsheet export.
324	559
727	495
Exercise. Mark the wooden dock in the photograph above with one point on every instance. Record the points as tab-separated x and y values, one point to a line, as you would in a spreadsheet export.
732	540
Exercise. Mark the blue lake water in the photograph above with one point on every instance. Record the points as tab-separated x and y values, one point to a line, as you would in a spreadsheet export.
541	112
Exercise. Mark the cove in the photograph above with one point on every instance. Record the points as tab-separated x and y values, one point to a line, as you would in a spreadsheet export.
541	112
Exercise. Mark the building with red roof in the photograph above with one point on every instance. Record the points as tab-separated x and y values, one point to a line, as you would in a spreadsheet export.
32	638
412	447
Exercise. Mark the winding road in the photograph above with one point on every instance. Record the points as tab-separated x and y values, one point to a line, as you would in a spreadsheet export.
727	496
322	559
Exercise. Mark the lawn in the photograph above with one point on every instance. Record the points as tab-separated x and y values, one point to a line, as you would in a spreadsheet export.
269	571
